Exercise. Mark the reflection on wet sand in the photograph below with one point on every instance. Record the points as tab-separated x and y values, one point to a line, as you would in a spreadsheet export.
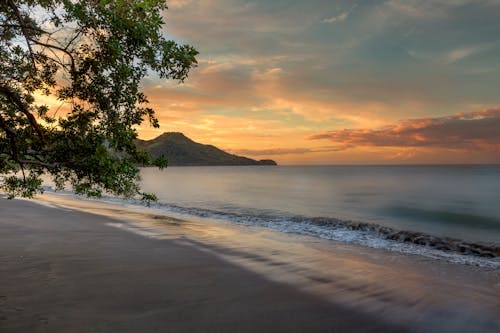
405	289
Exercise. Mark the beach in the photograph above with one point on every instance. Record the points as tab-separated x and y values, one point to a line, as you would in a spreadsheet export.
71	265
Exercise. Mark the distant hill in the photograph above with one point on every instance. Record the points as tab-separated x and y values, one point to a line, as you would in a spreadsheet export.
181	150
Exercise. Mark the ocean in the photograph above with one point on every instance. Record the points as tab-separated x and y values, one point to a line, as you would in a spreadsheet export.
443	211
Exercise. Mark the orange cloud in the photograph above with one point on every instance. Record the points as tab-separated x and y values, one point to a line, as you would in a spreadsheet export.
287	151
473	130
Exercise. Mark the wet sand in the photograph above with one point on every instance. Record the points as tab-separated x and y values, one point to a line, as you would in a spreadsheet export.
70	272
66	270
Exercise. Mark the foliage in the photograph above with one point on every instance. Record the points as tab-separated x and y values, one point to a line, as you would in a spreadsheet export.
90	56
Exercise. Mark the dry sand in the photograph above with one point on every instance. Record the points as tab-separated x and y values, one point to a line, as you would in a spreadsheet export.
67	271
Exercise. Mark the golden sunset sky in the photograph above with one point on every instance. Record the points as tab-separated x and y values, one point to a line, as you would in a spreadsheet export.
329	82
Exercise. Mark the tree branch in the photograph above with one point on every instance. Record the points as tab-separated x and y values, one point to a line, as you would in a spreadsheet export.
40	163
14	98
77	34
9	130
65	51
19	26
12	134
13	6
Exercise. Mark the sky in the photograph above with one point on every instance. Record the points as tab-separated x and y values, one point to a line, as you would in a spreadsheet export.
337	82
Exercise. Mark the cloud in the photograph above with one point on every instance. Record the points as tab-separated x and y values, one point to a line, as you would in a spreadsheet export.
174	4
407	8
451	56
464	52
262	73
430	9
339	18
469	131
272	151
285	151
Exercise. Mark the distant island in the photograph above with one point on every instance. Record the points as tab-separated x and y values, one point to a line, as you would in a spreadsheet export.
182	151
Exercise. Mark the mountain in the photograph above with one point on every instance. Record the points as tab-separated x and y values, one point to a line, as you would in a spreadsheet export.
181	150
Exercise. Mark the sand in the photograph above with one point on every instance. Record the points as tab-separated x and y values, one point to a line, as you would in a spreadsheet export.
67	270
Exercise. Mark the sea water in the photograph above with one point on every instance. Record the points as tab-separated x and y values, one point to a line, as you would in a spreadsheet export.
458	201
440	211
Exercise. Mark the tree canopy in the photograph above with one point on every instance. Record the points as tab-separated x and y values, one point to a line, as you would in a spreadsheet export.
90	56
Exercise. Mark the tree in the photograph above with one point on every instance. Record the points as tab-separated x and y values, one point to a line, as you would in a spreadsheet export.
91	56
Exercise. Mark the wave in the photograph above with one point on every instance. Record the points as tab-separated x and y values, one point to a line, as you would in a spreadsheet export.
445	244
419	238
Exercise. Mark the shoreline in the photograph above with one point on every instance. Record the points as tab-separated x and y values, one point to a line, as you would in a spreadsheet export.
278	282
357	233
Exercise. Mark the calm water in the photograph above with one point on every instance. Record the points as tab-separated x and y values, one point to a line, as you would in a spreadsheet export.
454	201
